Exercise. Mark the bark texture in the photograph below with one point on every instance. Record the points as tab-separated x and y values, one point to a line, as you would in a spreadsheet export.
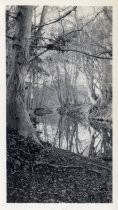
17	116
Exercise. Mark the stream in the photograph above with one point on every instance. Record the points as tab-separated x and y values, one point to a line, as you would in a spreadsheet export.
92	139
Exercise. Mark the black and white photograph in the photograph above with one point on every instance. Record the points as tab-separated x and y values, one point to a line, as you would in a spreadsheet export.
59	104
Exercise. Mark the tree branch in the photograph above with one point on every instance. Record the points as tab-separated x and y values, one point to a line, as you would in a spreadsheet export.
11	16
58	19
84	24
9	37
85	53
72	166
35	57
69	50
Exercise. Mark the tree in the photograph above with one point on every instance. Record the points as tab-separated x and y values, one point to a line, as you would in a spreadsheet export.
84	45
17	115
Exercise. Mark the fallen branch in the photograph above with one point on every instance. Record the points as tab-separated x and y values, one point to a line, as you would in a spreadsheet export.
72	166
57	166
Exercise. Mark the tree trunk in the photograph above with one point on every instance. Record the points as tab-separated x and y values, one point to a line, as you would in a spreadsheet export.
17	115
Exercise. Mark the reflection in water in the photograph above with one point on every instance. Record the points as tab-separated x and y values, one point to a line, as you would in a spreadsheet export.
89	139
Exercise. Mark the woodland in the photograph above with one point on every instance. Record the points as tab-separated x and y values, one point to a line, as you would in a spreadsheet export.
59	104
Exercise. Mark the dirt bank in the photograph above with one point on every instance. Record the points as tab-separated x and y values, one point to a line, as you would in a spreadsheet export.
51	175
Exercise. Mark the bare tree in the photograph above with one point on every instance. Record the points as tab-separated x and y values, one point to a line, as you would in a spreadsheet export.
17	116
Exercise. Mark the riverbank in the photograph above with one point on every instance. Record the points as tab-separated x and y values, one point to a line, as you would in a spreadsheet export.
47	174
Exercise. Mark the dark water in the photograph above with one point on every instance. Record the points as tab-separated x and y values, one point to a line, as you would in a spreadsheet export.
91	139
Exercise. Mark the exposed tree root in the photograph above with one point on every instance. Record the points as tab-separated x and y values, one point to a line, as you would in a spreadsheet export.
72	166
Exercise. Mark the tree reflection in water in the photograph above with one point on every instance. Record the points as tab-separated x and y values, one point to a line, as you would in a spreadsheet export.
88	139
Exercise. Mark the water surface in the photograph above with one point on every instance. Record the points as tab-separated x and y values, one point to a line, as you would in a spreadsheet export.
89	139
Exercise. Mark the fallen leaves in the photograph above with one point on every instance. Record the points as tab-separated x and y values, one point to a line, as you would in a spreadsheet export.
51	175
